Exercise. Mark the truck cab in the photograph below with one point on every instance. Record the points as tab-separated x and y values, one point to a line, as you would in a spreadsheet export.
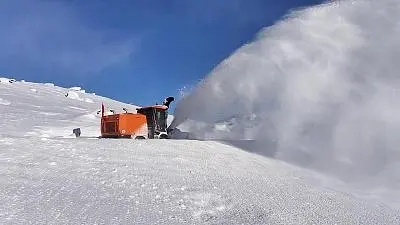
156	117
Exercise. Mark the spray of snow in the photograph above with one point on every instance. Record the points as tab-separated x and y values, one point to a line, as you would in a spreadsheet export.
182	92
321	83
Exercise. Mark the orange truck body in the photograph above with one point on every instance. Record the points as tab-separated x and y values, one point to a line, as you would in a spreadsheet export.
147	123
124	125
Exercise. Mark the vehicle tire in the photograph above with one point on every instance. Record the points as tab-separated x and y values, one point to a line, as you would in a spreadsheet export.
140	138
164	136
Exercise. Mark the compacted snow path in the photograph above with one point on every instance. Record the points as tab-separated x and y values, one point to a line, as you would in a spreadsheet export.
97	181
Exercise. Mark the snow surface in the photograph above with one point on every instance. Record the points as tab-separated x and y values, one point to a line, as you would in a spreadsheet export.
323	85
88	181
47	177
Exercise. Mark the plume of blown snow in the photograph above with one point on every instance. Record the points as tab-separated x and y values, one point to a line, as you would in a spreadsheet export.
321	82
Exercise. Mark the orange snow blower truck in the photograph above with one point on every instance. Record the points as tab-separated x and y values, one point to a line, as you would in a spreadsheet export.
148	123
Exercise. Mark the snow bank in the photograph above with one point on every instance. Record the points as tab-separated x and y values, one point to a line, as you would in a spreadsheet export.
75	95
323	82
7	80
75	88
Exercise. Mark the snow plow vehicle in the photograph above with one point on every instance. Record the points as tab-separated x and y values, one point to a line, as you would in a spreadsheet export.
148	123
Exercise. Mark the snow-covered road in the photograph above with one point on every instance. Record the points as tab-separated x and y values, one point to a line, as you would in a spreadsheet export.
97	181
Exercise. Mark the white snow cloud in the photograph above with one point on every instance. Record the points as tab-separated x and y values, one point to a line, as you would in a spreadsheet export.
50	35
320	81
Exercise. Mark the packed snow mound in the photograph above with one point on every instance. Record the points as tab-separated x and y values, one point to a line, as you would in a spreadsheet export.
324	83
43	110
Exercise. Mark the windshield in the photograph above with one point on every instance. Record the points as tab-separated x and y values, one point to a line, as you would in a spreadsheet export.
161	118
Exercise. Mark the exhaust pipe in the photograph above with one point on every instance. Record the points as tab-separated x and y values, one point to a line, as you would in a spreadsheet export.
168	101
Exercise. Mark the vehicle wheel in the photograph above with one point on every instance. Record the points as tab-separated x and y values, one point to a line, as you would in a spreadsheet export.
163	136
140	138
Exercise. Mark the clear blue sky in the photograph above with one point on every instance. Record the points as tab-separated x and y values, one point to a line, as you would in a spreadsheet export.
135	51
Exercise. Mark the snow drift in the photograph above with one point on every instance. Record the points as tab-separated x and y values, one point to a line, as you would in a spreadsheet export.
322	83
